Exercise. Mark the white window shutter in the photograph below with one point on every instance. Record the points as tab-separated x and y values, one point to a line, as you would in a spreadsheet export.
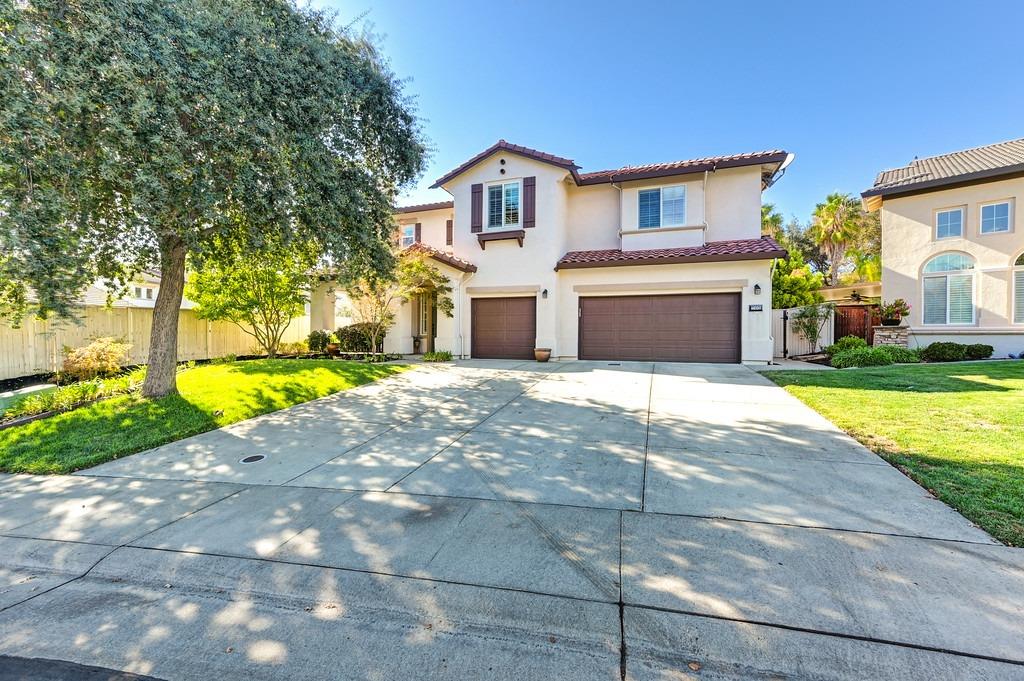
961	299
1018	297
934	300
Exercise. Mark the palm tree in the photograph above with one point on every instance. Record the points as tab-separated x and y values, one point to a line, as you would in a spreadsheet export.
834	227
771	220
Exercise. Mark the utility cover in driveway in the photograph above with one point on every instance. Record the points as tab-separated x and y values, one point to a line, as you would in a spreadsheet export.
504	328
677	328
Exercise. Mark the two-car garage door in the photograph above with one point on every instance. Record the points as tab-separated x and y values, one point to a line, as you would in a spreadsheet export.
670	328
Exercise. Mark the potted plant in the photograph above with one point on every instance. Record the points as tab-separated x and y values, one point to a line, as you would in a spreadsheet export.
892	313
542	354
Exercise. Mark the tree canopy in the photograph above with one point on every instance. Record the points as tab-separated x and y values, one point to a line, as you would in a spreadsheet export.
261	292
133	134
794	284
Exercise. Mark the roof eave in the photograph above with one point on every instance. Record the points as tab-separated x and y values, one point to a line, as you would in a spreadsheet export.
766	159
487	153
673	260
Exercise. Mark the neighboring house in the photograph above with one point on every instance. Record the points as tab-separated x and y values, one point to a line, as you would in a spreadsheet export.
653	262
141	293
953	245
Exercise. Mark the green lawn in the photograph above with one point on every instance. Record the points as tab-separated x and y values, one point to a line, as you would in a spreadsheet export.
211	396
957	429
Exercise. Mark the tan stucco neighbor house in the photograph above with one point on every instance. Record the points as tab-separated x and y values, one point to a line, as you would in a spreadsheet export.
953	245
654	262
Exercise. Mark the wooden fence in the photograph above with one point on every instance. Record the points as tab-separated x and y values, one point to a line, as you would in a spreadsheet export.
37	347
788	342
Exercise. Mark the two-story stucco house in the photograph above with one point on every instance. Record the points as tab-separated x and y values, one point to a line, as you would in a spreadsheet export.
953	245
655	262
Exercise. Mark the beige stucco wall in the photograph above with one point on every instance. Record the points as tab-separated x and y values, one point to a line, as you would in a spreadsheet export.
433	225
908	242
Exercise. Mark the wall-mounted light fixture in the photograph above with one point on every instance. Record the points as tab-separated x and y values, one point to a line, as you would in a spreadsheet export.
757	289
544	294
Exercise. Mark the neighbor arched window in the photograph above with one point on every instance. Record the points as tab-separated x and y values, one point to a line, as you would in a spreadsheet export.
948	288
1018	290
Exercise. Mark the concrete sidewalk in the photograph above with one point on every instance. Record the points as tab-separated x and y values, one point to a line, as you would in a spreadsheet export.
508	520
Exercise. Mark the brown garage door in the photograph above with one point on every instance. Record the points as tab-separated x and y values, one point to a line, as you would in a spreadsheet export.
687	328
504	328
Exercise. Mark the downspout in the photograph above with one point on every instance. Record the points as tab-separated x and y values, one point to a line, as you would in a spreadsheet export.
466	276
704	205
619	187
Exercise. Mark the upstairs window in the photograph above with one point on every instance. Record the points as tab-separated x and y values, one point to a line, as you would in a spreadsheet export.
408	235
503	205
662	207
948	289
995	218
949	223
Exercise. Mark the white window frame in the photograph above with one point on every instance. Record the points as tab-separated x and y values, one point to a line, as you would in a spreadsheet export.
1015	271
946	276
1009	216
661	206
963	222
487	205
408	232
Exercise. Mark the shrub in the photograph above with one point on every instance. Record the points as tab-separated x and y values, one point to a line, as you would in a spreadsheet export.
318	340
226	359
846	343
101	357
440	356
296	348
900	355
354	338
68	397
944	352
861	357
979	351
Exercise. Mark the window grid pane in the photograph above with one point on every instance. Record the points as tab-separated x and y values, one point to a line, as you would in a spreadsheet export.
512	204
949	224
494	213
673	206
995	218
650	208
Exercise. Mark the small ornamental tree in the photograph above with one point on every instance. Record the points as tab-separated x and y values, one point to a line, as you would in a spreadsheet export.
809	322
374	297
260	292
794	284
136	134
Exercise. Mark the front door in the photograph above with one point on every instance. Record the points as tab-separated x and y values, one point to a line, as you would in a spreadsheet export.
424	323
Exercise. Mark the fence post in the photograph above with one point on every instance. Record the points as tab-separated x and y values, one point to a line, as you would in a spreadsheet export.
785	333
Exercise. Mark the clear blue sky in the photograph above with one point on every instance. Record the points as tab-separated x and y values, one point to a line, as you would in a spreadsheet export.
850	88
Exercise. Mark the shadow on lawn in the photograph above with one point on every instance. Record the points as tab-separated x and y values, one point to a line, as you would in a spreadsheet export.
953	377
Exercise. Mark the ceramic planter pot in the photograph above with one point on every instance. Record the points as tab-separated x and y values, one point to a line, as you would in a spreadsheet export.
892	322
333	349
542	354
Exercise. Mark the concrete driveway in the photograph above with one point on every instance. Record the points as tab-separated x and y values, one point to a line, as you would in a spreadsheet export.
504	520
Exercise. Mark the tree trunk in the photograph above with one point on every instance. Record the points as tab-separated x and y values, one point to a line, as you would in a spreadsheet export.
161	374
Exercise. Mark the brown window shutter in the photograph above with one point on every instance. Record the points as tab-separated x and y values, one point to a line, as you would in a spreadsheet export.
529	202
419	232
448	233
477	212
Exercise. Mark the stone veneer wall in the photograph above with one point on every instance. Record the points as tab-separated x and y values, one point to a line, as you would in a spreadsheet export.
892	335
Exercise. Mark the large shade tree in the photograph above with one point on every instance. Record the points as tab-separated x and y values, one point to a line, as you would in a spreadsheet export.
133	134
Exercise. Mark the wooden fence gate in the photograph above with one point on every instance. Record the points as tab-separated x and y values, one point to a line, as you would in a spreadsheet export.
855	320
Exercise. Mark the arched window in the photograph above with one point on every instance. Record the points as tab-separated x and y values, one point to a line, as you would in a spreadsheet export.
1018	290
948	289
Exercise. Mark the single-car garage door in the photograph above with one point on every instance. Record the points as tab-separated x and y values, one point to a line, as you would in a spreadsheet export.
504	328
678	328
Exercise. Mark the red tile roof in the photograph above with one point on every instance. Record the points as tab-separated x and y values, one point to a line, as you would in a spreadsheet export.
764	248
696	165
773	157
441	256
423	207
502	145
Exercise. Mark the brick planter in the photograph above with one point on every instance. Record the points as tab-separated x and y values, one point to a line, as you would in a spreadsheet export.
891	335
